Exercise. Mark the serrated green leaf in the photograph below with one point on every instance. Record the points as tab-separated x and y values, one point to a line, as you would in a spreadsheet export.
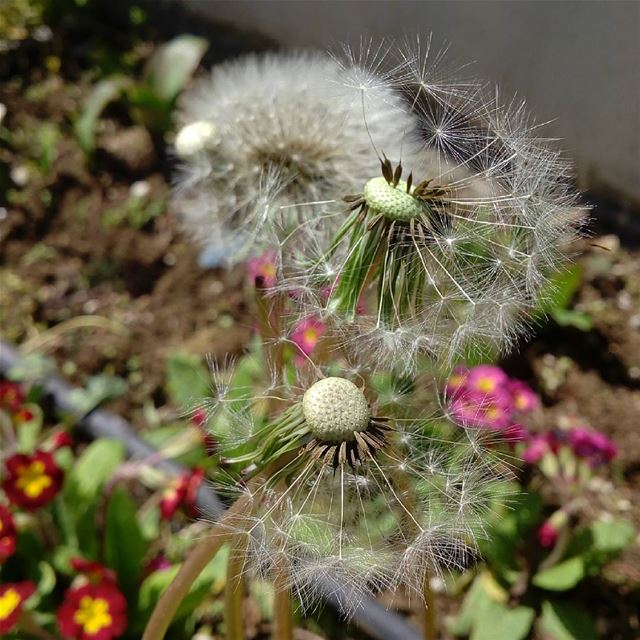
562	576
124	544
171	66
566	621
187	380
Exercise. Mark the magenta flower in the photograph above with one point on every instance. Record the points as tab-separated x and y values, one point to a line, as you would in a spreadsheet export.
547	534
456	382
482	410
537	448
306	335
262	269
486	378
592	446
523	397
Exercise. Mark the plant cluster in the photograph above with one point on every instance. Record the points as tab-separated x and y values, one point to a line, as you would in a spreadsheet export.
551	539
395	220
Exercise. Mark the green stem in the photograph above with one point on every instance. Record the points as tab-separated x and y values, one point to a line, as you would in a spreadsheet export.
234	589
29	625
282	614
198	558
430	618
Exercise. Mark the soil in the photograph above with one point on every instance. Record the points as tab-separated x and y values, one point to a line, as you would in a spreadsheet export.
61	257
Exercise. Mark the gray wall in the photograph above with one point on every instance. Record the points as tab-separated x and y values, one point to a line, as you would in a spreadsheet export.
575	61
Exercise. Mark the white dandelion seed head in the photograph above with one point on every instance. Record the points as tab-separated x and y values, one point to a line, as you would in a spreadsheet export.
287	132
458	259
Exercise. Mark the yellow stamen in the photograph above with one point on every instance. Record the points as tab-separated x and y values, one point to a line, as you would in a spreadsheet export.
9	602
486	384
33	480
93	614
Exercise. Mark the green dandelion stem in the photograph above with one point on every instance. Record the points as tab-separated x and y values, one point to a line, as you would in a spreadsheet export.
234	589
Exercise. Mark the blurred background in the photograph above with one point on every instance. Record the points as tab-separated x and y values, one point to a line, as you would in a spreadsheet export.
99	289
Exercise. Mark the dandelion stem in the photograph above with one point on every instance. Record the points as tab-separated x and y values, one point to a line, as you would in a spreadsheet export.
192	567
430	619
234	588
282	615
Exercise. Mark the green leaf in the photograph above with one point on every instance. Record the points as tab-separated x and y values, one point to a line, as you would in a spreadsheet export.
94	467
571	318
499	622
210	581
566	621
476	600
562	576
612	537
47	581
103	93
171	66
560	290
124	545
187	380
98	389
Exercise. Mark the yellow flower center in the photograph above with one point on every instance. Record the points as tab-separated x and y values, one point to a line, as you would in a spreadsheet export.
93	614
32	480
486	384
311	335
492	412
9	602
521	402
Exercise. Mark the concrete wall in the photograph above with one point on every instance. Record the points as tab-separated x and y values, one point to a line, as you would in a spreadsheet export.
575	61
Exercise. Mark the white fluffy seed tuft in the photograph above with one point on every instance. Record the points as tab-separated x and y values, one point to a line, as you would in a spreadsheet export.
335	409
194	138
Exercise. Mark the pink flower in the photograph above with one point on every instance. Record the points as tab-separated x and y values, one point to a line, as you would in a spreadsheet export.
486	378
537	448
482	410
262	270
523	397
592	446
306	335
547	534
456	382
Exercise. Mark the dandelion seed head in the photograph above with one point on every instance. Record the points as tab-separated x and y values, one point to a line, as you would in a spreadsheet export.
335	409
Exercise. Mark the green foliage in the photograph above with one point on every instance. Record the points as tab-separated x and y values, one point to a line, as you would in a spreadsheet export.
566	621
558	296
98	389
150	99
187	380
124	543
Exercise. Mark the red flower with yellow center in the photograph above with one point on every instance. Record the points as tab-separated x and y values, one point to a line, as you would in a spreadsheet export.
11	396
93	612
32	480
181	492
7	534
12	597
